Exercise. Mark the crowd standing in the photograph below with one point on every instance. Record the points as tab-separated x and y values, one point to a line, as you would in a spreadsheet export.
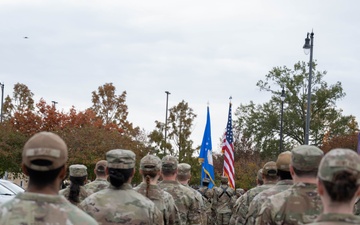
302	187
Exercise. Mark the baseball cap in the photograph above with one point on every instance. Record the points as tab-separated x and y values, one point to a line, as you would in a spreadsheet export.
78	170
270	169
169	163
224	179
101	166
150	163
120	159
45	146
283	161
206	180
184	169
338	160
306	157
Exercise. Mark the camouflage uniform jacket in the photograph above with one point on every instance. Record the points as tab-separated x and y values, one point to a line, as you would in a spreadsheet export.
30	208
208	195
185	201
97	185
242	204
336	218
82	195
255	204
201	201
299	204
121	206
163	201
222	199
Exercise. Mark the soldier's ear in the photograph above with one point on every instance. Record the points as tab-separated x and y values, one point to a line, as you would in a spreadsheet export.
23	168
320	187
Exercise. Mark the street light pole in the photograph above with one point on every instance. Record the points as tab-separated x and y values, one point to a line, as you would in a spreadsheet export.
54	103
166	116
282	98
2	101
309	43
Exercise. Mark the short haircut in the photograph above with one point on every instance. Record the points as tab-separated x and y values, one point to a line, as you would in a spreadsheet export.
311	173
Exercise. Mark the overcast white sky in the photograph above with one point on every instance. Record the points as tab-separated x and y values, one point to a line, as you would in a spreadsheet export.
200	51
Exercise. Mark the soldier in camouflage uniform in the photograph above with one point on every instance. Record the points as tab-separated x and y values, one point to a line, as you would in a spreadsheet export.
208	195
76	192
150	166
43	159
259	182
185	201
299	204
100	182
269	177
338	187
283	168
222	201
119	203
238	193
183	176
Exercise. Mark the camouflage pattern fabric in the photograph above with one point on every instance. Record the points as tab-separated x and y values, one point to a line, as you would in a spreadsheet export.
199	198
163	201
185	201
242	204
208	195
222	203
255	204
300	204
121	206
29	208
336	218
82	195
96	185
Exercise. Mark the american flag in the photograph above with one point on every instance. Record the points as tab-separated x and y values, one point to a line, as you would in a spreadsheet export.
228	151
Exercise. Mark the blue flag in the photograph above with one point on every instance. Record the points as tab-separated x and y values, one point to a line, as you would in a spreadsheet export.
205	157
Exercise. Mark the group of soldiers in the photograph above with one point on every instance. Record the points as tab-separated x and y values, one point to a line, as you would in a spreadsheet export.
302	187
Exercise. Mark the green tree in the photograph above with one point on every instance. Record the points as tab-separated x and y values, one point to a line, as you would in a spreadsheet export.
21	100
260	124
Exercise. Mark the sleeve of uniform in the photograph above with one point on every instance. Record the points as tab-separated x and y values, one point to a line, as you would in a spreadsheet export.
157	216
194	214
242	210
264	217
252	212
172	211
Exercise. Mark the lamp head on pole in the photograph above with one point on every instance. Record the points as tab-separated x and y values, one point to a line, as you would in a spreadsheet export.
282	97
307	46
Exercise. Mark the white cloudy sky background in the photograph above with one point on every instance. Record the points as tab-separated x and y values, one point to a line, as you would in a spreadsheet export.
200	51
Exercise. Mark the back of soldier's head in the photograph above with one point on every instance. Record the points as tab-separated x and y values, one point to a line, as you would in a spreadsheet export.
339	172
224	180
283	165
100	168
121	164
184	172
206	182
269	171
44	156
305	160
169	165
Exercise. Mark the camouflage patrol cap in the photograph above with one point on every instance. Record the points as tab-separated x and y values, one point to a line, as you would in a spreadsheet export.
269	169
283	161
150	163
101	166
120	159
184	169
224	179
239	191
45	146
169	163
78	170
259	175
206	180
339	160
306	157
